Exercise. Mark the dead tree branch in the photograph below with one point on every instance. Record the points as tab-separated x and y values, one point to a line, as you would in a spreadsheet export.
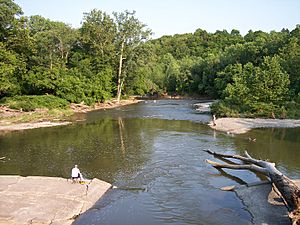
289	191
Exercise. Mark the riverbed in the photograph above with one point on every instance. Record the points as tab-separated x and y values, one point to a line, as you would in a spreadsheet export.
153	153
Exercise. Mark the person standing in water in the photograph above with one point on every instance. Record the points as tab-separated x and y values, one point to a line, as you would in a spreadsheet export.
214	119
76	173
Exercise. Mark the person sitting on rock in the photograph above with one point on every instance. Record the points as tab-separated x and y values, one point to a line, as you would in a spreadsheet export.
76	175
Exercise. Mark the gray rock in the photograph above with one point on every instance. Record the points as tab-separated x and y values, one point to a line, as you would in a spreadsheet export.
46	200
263	203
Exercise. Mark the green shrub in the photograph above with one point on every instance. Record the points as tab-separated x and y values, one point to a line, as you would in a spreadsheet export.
32	102
293	109
262	110
76	88
223	110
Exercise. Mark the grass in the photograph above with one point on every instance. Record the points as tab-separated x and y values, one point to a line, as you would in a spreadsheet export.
34	109
47	115
29	103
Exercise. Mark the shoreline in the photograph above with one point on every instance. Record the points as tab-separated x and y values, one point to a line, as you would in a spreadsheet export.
82	108
31	125
243	125
7	126
46	200
228	125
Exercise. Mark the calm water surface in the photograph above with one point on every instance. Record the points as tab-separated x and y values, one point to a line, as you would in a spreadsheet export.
153	153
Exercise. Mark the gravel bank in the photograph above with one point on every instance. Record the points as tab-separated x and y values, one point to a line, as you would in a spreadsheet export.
243	125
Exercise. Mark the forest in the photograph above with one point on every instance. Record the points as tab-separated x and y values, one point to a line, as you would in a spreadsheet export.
114	56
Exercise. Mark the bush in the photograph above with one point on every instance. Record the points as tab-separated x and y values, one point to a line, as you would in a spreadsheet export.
223	110
293	109
226	109
255	91
76	88
32	102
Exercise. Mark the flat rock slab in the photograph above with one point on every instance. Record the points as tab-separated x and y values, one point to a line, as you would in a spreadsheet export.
263	203
46	200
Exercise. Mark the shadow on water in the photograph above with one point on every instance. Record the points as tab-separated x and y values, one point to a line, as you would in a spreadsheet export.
153	153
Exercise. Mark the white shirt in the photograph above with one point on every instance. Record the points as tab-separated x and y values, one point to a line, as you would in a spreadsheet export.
75	172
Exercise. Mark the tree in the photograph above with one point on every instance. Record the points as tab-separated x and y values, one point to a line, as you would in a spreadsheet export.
204	73
270	82
140	79
171	72
97	40
225	77
130	34
11	70
291	63
238	93
256	89
8	12
20	40
53	42
185	82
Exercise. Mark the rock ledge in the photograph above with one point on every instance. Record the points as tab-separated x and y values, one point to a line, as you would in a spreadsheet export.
46	200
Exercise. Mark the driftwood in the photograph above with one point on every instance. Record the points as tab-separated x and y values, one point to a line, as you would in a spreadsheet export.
289	191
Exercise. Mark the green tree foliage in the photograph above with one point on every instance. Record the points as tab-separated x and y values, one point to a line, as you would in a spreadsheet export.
291	56
130	34
223	65
111	55
11	69
141	78
8	12
256	90
97	39
52	42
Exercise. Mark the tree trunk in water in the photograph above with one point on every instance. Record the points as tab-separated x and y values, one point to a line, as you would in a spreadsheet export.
120	83
289	191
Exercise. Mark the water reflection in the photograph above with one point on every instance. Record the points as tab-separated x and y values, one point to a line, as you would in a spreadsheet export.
101	149
278	145
175	184
153	153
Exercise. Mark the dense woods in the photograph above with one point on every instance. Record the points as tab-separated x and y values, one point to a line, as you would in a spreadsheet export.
113	55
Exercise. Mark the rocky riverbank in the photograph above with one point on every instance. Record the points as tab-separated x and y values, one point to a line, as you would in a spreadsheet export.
46	200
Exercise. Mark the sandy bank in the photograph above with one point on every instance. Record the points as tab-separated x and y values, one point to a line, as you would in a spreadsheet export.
6	114
106	105
46	200
243	125
32	125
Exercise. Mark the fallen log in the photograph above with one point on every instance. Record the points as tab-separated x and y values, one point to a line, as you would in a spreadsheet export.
288	190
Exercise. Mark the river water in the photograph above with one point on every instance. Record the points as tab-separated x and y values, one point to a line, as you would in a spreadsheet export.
153	153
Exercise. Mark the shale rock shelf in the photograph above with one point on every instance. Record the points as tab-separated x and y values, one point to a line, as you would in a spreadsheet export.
46	200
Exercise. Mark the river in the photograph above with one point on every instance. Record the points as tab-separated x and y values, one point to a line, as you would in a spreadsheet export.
153	153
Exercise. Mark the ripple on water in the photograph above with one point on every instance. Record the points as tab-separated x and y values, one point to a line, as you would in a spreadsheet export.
158	163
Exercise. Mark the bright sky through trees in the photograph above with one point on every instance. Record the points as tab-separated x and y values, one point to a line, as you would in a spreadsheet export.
168	17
